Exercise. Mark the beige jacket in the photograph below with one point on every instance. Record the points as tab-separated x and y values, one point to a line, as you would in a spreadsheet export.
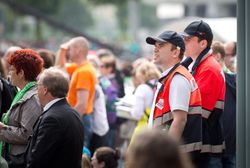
21	120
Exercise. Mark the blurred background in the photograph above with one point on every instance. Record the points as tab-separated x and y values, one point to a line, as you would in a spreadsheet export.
120	25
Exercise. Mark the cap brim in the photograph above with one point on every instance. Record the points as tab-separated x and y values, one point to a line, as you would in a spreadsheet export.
153	40
184	34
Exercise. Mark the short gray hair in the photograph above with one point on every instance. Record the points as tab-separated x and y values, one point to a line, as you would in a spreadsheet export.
56	81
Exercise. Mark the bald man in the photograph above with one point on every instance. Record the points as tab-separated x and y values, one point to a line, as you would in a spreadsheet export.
230	55
83	79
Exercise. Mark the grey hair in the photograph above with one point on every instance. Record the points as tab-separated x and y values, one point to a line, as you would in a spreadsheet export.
56	81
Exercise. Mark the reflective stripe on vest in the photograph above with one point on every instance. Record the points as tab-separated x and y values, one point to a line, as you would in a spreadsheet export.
191	147
219	105
213	148
163	117
168	116
162	104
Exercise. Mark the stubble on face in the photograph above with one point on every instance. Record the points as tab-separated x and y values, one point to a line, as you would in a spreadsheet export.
162	54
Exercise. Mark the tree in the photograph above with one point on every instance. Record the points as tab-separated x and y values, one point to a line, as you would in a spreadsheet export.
76	13
148	18
46	6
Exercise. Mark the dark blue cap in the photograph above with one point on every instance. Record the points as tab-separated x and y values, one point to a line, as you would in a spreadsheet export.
168	36
200	29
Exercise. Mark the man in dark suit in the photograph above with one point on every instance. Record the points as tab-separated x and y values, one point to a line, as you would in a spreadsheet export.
57	140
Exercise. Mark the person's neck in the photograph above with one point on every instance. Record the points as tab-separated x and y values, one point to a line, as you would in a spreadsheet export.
78	61
204	52
194	57
222	64
22	84
47	100
165	67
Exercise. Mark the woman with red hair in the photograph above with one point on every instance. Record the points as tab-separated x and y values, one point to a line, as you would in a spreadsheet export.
17	123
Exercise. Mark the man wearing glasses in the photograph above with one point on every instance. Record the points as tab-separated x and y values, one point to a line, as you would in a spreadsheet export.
230	55
177	103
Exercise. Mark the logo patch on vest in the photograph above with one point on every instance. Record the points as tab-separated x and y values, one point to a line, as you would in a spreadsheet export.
160	104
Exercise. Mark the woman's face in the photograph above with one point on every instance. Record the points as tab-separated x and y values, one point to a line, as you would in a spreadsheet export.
15	77
95	164
104	69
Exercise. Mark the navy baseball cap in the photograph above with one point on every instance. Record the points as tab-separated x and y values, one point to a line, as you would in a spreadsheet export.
168	36
200	29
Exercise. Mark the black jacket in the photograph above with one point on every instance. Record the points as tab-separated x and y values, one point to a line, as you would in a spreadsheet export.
57	140
229	115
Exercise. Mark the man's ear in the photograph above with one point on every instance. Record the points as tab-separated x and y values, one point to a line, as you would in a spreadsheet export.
219	56
45	91
203	43
176	53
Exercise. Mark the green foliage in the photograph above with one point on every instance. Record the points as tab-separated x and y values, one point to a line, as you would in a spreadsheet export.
75	13
148	13
101	2
46	6
7	19
122	14
148	16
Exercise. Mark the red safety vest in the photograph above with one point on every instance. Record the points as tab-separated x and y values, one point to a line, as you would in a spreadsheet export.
192	134
210	79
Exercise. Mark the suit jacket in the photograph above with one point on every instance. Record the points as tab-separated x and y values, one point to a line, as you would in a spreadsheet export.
57	140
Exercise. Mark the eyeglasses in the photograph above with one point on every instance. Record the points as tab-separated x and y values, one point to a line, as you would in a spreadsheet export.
105	65
229	55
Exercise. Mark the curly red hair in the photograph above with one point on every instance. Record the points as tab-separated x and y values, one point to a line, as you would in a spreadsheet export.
27	60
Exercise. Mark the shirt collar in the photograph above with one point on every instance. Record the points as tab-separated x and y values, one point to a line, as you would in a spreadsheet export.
164	73
48	105
208	54
205	56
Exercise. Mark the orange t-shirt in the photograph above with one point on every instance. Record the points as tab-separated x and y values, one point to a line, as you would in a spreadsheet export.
82	77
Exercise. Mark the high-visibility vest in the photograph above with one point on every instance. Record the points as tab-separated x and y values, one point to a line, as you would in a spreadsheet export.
212	103
192	133
141	124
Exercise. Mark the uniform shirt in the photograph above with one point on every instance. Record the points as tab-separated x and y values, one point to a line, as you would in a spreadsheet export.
179	94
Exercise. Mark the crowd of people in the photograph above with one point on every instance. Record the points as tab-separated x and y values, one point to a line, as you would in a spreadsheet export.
60	109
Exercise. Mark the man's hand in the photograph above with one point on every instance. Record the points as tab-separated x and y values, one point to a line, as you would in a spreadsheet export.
62	53
65	46
3	126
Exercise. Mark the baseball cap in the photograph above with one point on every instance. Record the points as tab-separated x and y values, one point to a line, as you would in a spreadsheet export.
200	29
168	36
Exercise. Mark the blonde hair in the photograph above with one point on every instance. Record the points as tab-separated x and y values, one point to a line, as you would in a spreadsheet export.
85	162
108	59
147	71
